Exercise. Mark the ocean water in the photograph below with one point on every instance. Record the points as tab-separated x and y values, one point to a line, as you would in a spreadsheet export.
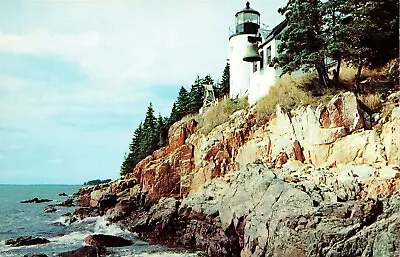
17	219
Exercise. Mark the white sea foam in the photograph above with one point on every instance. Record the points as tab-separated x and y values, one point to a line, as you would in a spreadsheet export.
162	255
103	226
71	238
63	220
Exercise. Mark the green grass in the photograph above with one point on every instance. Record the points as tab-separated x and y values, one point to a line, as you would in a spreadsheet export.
220	113
290	92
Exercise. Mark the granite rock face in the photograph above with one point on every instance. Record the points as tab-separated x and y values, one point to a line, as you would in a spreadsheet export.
316	181
266	211
301	218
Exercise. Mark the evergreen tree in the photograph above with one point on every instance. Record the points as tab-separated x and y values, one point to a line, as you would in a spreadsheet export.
135	154
161	131
302	44
335	15
149	138
182	103
174	117
208	80
370	32
126	164
196	96
224	84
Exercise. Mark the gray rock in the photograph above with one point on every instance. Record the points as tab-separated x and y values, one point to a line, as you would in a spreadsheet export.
26	240
49	208
298	219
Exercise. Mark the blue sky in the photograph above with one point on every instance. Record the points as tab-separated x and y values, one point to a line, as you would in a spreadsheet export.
76	77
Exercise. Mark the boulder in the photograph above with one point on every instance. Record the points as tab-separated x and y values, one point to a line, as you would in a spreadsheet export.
26	240
391	137
36	255
84	200
95	196
36	200
107	200
84	212
343	111
49	208
107	240
62	194
86	251
67	203
120	210
163	211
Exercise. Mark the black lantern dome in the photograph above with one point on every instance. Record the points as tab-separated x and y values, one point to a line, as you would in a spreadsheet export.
247	21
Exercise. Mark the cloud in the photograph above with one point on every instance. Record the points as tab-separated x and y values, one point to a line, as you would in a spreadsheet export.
76	77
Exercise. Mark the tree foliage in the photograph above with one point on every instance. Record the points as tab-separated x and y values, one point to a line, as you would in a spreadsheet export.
359	32
302	44
224	84
149	136
152	133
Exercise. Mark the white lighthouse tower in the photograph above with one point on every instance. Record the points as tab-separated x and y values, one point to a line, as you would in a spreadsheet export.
247	23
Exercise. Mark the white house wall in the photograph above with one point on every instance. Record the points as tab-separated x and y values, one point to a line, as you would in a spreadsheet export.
262	80
239	69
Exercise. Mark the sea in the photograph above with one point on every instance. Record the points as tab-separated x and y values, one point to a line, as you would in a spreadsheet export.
28	219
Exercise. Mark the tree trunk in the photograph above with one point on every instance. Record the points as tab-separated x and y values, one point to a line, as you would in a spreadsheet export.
322	74
358	75
336	73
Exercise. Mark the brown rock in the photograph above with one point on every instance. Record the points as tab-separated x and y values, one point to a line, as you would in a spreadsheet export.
86	251
281	159
120	210
343	111
26	240
36	200
381	188
107	240
84	200
297	153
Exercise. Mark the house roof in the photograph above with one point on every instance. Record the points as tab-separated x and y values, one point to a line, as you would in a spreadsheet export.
274	32
264	32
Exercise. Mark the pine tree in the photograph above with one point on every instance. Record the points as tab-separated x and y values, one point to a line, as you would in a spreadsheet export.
174	117
149	138
196	96
224	83
208	80
335	16
370	33
135	154
302	44
182	103
161	131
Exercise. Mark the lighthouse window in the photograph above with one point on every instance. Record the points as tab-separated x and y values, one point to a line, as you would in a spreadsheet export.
262	60
269	56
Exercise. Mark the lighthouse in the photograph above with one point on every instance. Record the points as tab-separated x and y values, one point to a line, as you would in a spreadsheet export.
247	23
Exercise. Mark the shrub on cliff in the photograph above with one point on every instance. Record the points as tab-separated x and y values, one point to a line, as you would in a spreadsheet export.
290	92
220	113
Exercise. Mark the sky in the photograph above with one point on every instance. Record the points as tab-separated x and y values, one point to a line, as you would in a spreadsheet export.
76	77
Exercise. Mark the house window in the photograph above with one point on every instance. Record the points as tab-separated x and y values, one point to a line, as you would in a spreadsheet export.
254	66
269	56
262	60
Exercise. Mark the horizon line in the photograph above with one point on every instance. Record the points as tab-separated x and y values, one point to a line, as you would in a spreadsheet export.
44	184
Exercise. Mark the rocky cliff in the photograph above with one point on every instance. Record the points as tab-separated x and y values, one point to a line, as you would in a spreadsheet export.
316	181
